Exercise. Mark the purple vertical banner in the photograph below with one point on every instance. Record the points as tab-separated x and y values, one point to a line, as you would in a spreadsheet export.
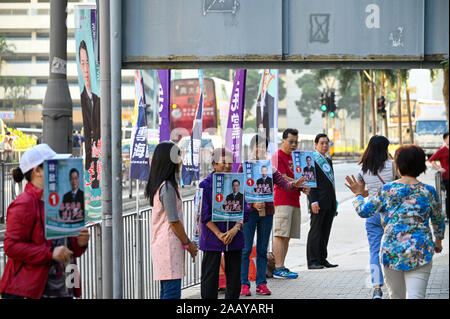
233	137
164	105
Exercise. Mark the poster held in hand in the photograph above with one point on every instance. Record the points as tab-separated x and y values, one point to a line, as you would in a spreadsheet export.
304	165
258	181
64	198
228	197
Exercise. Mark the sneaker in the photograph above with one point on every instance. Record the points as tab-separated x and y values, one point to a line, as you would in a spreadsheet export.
245	290
284	273
377	293
263	290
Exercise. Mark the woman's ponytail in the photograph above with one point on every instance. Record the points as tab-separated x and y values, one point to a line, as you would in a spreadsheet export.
17	175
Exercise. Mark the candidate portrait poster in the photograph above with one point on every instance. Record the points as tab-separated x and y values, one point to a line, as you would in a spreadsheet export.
304	165
89	85
228	197
64	197
258	181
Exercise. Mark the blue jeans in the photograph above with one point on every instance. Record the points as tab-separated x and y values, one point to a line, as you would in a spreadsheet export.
170	289
262	226
374	234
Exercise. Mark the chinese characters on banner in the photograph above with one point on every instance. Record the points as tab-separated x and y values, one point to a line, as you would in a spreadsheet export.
164	104
228	197
64	197
233	138
259	181
139	155
89	84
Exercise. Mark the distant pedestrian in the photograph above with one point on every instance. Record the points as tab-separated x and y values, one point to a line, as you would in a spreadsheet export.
406	206
35	267
8	142
220	237
323	206
377	170
287	217
442	155
260	222
169	240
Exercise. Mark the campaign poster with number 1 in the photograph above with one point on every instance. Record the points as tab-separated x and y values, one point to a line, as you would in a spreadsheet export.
228	197
64	197
304	165
259	181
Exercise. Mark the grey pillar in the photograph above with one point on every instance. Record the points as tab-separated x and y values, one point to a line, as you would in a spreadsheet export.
116	147
105	93
57	112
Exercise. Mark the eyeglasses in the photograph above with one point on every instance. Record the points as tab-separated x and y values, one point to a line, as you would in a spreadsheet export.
292	142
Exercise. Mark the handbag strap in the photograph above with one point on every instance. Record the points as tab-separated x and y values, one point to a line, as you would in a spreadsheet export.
381	179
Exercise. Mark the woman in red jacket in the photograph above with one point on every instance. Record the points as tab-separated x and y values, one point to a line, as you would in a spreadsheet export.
35	266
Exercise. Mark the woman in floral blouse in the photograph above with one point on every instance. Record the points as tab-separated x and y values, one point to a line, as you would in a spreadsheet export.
406	206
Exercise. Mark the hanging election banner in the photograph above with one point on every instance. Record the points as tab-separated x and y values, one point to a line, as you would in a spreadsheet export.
233	138
267	108
228	197
164	105
139	152
191	158
64	197
89	84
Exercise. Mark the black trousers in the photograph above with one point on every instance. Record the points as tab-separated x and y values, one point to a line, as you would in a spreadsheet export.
319	233
210	274
446	196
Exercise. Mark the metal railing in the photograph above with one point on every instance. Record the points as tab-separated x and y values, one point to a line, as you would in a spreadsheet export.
8	188
90	262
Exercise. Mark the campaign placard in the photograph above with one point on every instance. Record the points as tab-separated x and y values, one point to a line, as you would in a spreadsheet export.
304	165
64	197
258	181
228	197
198	198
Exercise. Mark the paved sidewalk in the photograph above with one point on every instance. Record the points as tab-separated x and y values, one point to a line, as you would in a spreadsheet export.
348	247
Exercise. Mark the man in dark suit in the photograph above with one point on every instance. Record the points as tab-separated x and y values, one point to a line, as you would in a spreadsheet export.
308	171
90	106
264	184
234	201
76	195
322	207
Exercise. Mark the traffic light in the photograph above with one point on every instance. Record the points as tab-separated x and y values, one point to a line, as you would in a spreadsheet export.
324	102
332	105
381	105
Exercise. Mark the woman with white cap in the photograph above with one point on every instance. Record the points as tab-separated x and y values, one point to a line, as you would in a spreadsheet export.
35	265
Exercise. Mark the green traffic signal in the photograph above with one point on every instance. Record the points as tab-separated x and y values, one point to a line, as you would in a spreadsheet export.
331	114
324	107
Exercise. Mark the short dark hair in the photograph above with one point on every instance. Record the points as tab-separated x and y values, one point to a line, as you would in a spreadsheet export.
308	157
232	183
410	160
258	139
445	135
291	131
319	136
84	47
73	170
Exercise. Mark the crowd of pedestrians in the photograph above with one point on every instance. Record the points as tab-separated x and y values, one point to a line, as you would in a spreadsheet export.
399	210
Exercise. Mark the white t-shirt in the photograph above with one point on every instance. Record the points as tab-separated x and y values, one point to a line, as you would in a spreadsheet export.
373	183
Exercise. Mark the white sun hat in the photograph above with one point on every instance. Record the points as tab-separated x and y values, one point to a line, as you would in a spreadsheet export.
36	155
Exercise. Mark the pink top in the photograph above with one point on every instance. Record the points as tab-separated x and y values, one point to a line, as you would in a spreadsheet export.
166	249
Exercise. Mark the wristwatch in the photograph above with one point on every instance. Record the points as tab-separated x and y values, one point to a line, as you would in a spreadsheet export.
238	226
186	246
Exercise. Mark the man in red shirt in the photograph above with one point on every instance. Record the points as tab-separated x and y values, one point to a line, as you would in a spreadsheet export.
442	156
287	217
